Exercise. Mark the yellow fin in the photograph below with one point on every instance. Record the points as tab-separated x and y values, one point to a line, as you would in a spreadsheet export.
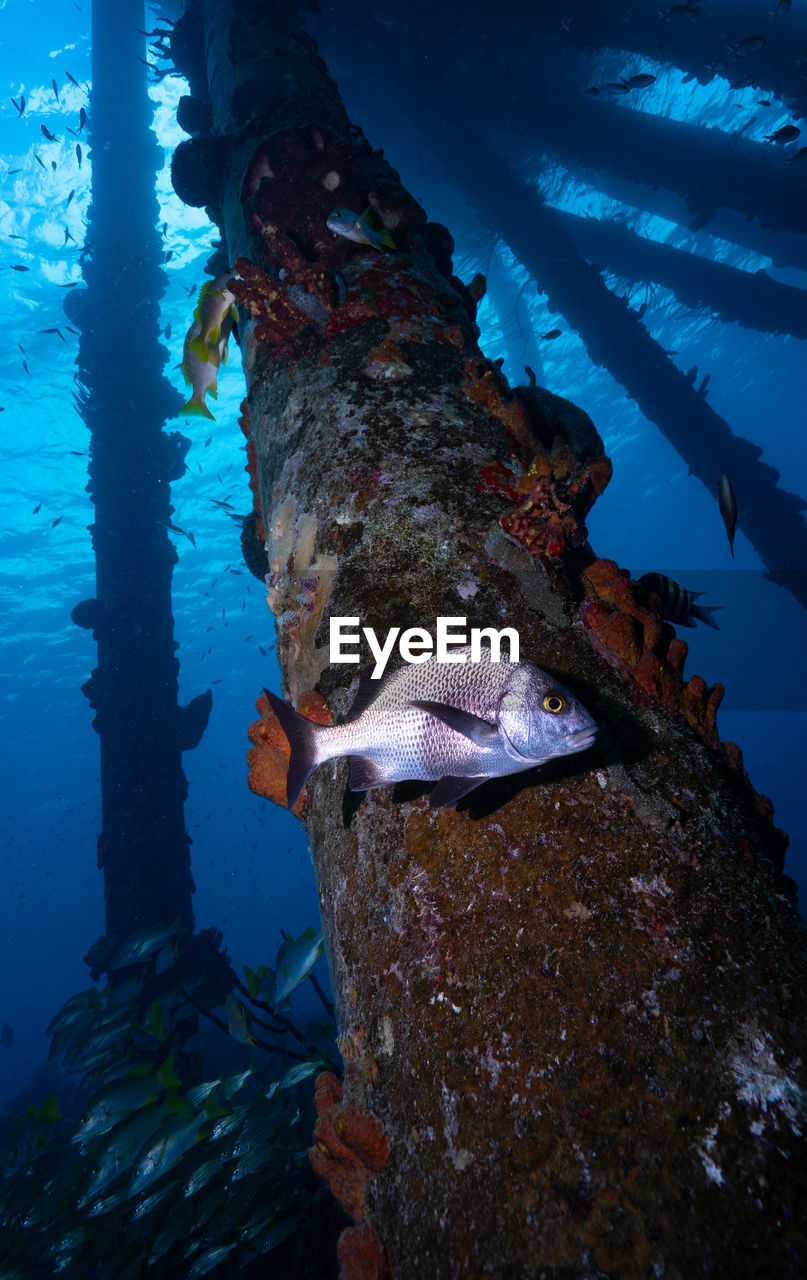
385	238
197	315
194	408
201	350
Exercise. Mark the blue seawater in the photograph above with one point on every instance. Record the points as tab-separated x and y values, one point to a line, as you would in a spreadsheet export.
250	862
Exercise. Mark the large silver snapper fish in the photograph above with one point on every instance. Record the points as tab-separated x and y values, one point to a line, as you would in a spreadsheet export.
457	724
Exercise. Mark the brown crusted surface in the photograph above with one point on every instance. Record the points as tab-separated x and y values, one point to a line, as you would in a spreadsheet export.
576	1006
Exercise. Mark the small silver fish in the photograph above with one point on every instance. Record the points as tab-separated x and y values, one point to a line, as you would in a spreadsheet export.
728	508
295	960
678	604
357	227
457	722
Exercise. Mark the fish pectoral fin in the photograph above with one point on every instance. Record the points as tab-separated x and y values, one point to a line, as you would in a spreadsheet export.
365	774
449	790
479	731
199	348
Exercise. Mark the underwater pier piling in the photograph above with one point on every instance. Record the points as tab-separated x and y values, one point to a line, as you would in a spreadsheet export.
571	1013
125	399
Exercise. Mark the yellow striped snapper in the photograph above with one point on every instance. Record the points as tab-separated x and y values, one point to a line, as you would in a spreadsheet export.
207	342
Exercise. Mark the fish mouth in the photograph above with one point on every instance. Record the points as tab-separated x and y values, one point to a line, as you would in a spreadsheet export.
580	739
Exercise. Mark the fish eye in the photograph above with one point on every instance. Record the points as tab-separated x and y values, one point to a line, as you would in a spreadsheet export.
554	702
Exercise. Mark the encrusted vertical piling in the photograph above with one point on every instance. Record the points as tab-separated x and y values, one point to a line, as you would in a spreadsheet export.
144	848
572	1011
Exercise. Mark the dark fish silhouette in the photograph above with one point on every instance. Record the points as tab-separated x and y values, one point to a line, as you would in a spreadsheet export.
55	89
728	508
78	153
82	119
787	133
751	44
51	137
680	13
72	79
551	335
677	603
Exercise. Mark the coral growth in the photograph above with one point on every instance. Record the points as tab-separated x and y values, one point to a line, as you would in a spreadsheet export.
298	587
362	1255
252	466
639	643
349	1145
557	470
268	757
288	313
550	499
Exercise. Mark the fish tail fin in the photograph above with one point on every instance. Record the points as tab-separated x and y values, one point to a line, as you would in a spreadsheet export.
302	738
196	408
385	238
704	613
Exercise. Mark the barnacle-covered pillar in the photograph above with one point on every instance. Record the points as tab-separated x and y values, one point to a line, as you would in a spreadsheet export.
571	1011
124	399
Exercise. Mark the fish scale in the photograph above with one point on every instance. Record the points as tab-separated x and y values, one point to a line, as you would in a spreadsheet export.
423	747
457	722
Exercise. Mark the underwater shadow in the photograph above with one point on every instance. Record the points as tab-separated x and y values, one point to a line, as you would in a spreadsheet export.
621	739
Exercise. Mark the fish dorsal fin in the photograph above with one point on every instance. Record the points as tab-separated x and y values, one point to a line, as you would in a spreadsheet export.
449	790
365	774
479	731
367	691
